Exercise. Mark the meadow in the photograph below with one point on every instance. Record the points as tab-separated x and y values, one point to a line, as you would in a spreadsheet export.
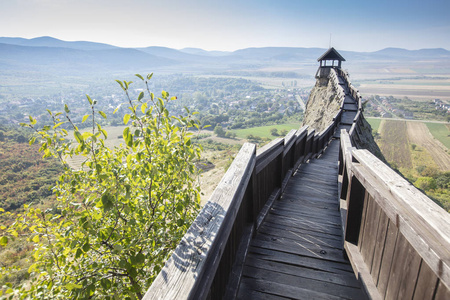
264	131
441	132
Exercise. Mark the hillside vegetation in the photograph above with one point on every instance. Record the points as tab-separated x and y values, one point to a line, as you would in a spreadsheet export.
24	178
410	148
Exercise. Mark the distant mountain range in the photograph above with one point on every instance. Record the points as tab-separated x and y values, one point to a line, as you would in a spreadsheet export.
47	54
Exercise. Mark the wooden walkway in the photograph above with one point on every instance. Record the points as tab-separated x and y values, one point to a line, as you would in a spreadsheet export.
298	250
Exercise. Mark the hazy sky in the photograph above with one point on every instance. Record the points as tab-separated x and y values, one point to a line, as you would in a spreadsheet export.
358	25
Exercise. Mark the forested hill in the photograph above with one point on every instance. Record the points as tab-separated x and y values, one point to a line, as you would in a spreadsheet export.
24	176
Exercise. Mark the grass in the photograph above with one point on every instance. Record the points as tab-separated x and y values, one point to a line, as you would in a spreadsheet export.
374	123
440	132
264	131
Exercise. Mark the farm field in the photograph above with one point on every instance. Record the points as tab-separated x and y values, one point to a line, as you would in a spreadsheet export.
424	88
264	131
441	132
374	123
419	134
394	143
410	147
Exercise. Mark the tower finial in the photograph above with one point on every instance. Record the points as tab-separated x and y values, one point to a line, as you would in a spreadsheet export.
330	42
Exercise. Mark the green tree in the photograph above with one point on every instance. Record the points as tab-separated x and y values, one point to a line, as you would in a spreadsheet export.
219	130
118	217
425	183
274	132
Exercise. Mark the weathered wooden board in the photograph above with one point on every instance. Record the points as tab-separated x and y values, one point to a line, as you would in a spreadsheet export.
442	292
401	264
305	232
345	279
308	238
370	232
299	260
285	290
426	283
316	285
388	254
379	246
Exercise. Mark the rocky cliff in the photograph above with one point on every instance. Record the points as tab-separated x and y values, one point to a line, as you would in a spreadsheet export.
324	103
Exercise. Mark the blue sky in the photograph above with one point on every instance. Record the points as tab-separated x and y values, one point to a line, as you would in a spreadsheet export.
232	24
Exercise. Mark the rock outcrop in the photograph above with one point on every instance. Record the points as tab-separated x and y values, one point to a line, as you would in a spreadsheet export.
323	104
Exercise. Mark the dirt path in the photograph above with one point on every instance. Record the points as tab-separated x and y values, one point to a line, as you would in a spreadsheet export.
419	134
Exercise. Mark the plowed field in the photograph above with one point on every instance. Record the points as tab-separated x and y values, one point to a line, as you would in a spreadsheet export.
419	134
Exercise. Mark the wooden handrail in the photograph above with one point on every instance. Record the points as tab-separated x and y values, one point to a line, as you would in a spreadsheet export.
397	238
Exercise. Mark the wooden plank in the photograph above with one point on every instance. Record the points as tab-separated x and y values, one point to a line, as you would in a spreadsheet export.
426	283
238	266
363	221
308	238
379	246
409	274
306	249
299	260
286	210
307	225
284	290
317	218
361	271
442	292
245	293
319	275
266	208
355	201
268	153
319	286
200	249
370	232
289	141
305	232
388	254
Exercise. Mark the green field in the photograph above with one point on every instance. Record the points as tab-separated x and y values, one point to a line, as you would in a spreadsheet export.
264	131
374	123
440	132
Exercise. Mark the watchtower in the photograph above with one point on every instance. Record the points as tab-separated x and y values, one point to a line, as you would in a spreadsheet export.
330	59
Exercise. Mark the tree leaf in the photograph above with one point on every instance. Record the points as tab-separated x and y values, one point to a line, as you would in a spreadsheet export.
89	99
126	118
121	84
141	95
31	142
139	76
3	241
102	114
84	118
78	136
144	107
66	108
71	286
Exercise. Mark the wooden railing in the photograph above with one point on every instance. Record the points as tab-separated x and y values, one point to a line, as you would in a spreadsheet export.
397	239
207	264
